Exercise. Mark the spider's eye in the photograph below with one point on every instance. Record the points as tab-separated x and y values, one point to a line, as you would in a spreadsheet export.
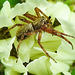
49	17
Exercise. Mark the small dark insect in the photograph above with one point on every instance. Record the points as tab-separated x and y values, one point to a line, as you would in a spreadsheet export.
38	24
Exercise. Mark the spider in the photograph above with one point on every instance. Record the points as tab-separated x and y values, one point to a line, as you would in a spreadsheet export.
38	23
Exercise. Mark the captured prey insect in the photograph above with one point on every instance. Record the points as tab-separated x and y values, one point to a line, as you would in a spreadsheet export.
38	23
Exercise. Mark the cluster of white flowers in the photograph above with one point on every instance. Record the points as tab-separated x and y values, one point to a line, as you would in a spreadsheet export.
29	49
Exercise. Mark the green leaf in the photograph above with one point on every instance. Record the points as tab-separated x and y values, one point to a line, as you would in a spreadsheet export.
73	72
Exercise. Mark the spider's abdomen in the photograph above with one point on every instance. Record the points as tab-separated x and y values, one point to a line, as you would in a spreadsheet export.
24	29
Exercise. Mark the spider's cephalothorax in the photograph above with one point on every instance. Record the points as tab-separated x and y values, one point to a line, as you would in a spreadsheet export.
39	22
34	25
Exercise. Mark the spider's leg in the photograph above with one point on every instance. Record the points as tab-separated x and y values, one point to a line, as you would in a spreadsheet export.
38	11
32	17
39	38
61	36
12	28
54	32
24	19
64	34
59	32
22	37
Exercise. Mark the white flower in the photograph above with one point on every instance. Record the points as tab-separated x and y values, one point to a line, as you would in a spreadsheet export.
12	67
5	48
29	49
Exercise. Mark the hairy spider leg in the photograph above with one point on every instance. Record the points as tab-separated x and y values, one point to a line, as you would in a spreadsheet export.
24	19
37	11
32	17
54	32
22	37
64	34
12	28
39	38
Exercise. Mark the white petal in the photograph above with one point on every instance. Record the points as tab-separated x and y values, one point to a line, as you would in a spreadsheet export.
38	3
5	21
37	52
25	48
4	15
60	10
65	51
69	25
66	73
14	66
39	66
6	8
19	67
20	9
5	48
59	67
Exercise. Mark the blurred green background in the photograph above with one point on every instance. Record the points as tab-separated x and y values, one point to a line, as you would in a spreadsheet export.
70	3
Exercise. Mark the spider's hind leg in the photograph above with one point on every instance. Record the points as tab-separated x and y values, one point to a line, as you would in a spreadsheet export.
39	38
24	19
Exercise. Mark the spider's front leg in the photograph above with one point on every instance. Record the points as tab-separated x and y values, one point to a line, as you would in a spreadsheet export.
39	38
33	17
24	19
30	16
38	11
